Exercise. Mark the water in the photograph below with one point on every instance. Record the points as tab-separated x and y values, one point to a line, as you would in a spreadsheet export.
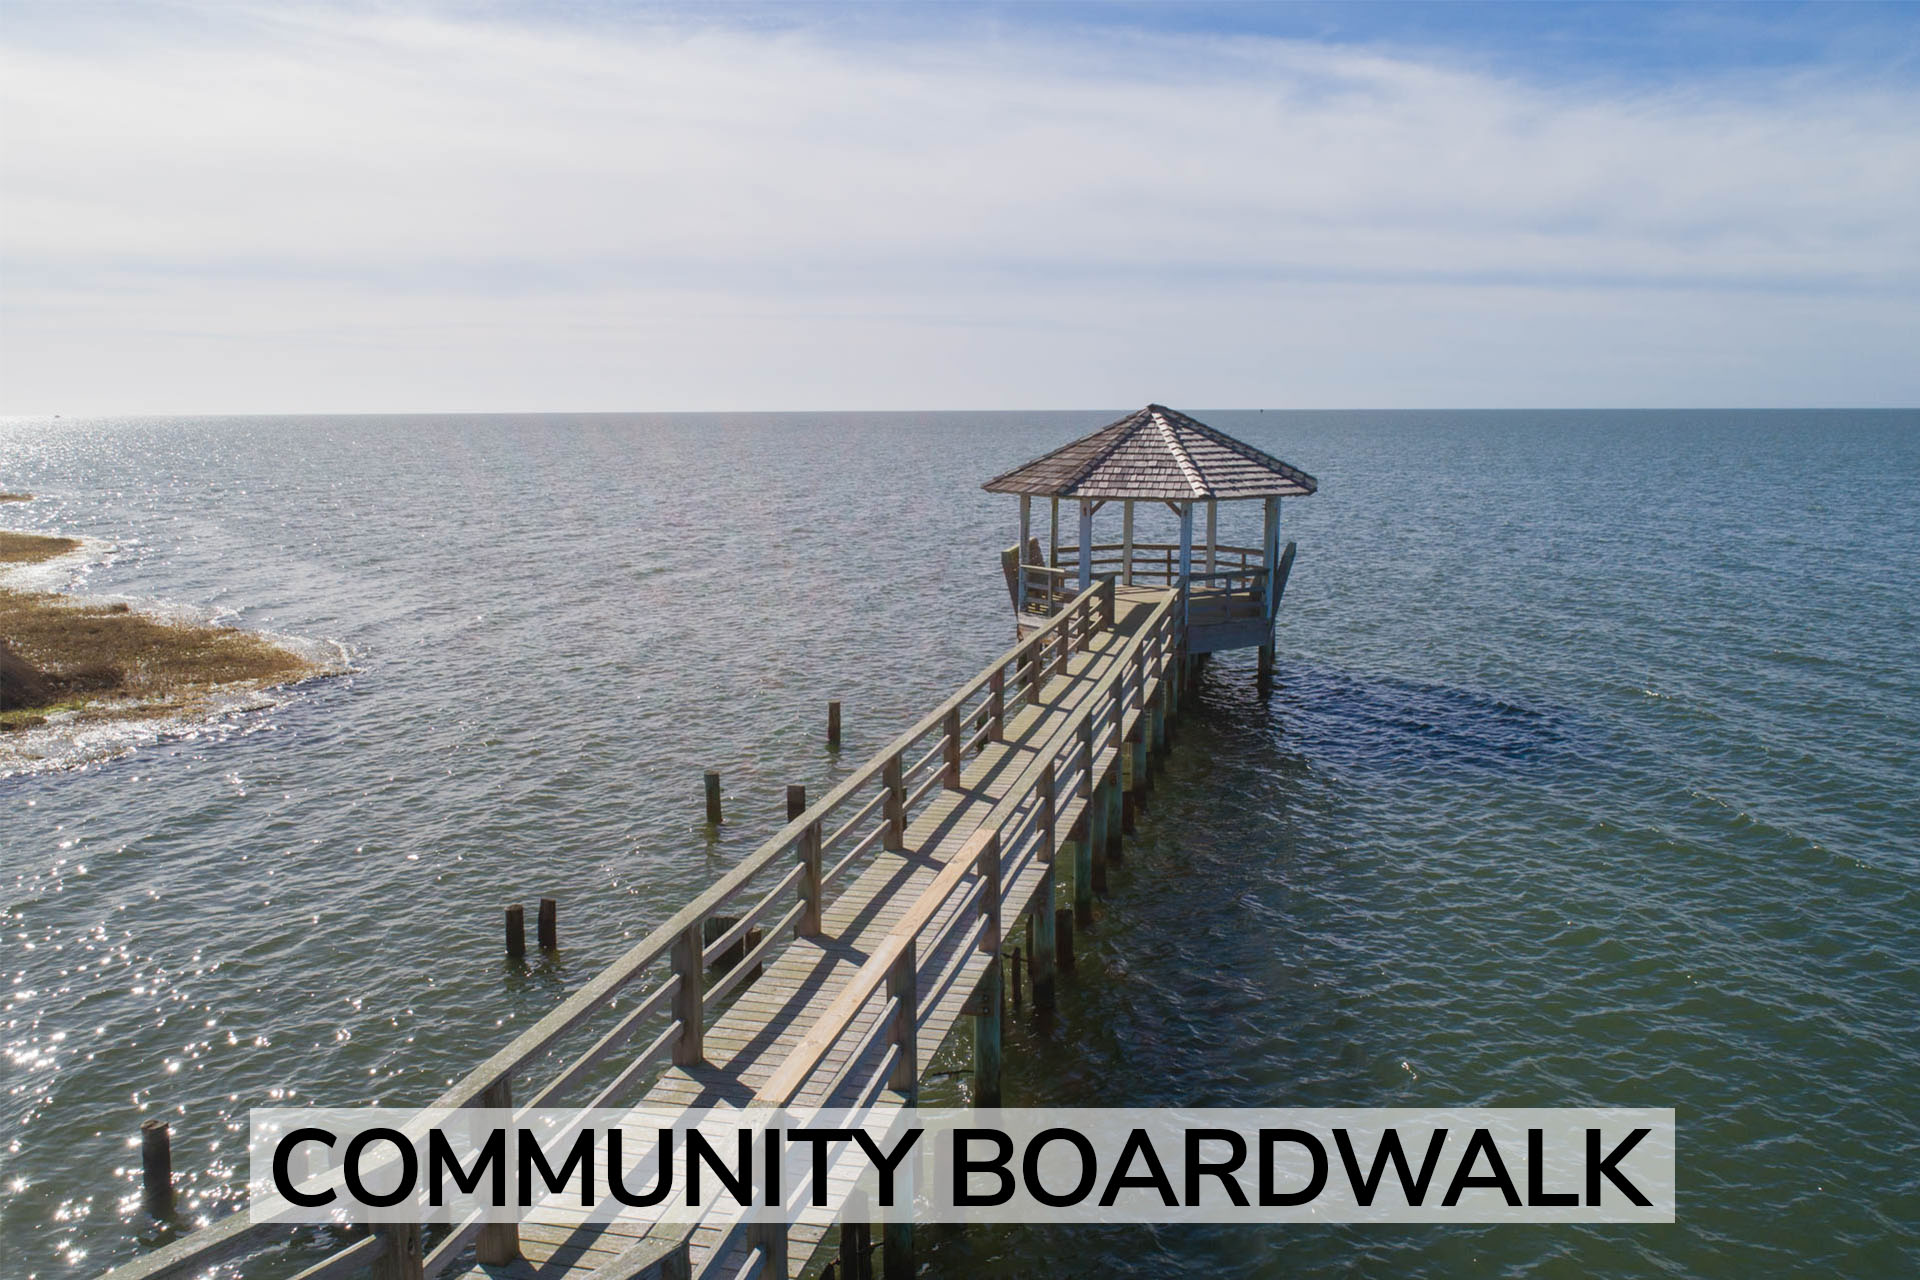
1590	777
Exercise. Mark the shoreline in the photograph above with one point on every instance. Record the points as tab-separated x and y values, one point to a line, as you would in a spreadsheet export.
71	667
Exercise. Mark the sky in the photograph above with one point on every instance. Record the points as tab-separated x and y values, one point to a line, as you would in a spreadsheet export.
288	208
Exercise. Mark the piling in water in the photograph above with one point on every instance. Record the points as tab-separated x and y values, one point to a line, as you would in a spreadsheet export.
896	1249
156	1167
1041	943
856	1246
833	725
516	931
549	926
401	1258
713	799
986	1038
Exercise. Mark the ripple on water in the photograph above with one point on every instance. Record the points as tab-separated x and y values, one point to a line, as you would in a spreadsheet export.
1562	796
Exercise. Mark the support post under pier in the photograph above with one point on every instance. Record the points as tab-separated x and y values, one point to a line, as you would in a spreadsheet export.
1042	949
1085	851
986	1038
896	1250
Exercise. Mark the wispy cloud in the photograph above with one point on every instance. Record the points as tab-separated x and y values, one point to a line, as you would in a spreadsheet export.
311	209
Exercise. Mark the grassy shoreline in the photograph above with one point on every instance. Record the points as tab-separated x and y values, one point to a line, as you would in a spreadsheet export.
88	663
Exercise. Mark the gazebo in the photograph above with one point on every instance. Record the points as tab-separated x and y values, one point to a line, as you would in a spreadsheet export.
1158	456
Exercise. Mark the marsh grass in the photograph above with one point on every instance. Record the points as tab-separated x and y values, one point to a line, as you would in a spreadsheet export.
16	497
105	661
31	548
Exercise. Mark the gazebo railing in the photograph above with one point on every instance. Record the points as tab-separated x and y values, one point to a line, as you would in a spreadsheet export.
1049	590
1235	569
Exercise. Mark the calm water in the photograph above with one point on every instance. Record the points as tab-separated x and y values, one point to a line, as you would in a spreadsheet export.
1591	777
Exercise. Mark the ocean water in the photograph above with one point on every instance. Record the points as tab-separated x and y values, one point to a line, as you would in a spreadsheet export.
1591	775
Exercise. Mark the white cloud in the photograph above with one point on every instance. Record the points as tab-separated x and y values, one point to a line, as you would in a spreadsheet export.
324	212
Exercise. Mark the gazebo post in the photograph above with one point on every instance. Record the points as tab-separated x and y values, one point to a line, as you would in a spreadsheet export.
1020	588
1270	539
1086	543
1053	545
1213	528
1126	544
1186	561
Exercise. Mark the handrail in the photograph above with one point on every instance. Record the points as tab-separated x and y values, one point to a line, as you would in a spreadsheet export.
489	1083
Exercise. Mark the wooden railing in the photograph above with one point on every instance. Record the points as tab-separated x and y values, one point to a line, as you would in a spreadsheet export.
1158	564
1049	590
1041	591
784	884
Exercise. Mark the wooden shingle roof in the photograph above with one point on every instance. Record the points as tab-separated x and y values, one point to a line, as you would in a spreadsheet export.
1156	452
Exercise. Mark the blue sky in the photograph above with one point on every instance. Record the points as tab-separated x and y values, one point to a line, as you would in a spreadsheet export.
250	207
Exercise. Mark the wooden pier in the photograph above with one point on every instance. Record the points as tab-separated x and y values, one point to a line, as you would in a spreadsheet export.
882	911
829	966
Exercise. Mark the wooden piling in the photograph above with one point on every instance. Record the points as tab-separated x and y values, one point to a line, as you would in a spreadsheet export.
549	925
1109	852
498	1244
903	987
986	1038
713	799
689	999
1063	939
770	1238
1041	941
796	799
833	726
951	754
156	1167
1014	971
895	807
856	1245
896	1250
812	882
1142	759
1089	854
402	1259
724	962
516	931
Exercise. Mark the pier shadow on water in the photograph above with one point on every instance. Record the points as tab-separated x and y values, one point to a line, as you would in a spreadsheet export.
1357	722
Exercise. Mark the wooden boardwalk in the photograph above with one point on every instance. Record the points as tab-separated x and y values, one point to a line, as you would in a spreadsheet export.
859	936
760	1031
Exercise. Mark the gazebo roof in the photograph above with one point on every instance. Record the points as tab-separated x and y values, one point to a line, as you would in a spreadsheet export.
1156	453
